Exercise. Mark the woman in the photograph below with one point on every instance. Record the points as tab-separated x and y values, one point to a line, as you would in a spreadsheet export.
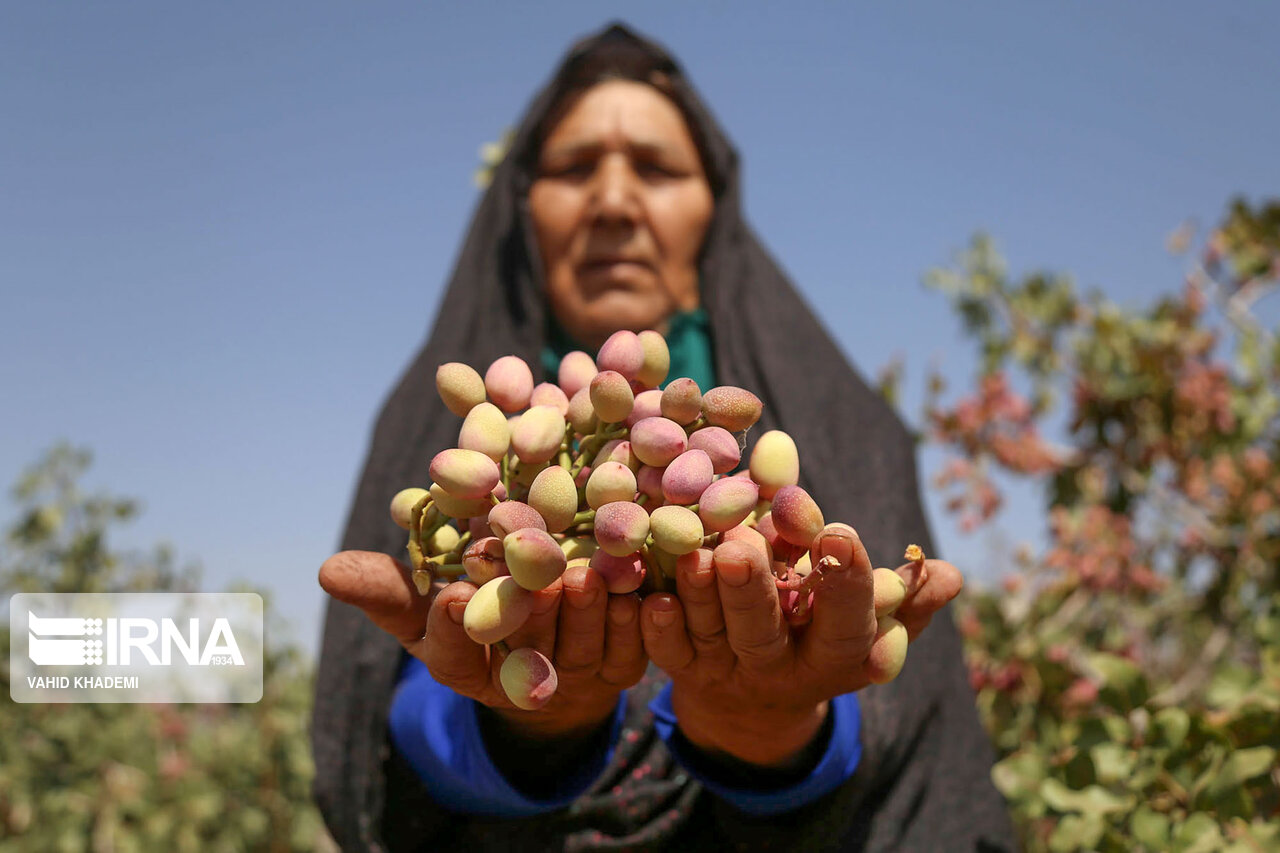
618	206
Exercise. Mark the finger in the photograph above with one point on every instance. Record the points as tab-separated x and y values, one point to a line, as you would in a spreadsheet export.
580	632
943	582
844	614
700	598
915	627
915	574
751	536
453	658
539	630
624	658
380	586
665	639
756	628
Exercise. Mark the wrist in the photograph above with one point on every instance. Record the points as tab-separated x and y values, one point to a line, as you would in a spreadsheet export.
777	738
565	723
535	752
757	790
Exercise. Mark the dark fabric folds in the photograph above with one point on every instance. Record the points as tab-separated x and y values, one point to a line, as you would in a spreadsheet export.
923	783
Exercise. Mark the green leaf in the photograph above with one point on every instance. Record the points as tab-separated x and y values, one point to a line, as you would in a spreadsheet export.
1150	827
1112	762
1208	762
1077	832
1173	725
1121	679
1241	766
1198	834
1118	728
1267	629
1232	803
1019	776
1231	684
1093	799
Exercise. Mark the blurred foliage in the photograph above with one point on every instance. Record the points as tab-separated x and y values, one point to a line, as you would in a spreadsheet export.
1129	675
120	777
491	155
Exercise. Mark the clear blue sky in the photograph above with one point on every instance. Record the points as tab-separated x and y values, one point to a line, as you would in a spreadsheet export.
224	227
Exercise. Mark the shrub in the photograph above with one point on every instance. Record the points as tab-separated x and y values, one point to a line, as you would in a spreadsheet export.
1129	673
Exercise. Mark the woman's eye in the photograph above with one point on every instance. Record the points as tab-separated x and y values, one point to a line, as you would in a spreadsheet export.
570	170
654	170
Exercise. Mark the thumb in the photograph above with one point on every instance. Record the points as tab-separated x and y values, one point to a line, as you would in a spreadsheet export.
380	586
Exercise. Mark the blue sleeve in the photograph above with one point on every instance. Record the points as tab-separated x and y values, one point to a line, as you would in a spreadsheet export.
437	731
834	769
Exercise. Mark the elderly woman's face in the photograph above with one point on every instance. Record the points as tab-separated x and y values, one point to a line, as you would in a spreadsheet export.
620	207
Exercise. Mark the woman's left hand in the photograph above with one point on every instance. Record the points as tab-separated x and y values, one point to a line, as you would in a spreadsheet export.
744	683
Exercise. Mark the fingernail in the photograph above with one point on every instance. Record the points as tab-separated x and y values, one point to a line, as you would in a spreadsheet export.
697	570
837	544
663	618
457	609
702	578
622	615
584	598
734	572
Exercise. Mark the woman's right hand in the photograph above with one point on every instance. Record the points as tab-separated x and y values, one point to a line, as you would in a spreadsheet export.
593	639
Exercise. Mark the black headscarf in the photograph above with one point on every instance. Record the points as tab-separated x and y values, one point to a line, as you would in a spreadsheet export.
857	461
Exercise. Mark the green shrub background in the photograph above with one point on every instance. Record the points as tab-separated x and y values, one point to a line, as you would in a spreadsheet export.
118	777
1130	673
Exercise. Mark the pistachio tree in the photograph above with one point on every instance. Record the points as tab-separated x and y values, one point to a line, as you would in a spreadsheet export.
1128	668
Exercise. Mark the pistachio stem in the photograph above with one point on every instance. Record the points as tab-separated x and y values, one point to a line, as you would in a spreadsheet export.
698	424
592	444
463	540
451	570
654	571
416	554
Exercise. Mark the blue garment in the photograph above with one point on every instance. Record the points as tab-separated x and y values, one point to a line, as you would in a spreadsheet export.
437	731
834	768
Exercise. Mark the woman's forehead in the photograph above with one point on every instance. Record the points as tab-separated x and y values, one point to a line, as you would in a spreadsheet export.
620	111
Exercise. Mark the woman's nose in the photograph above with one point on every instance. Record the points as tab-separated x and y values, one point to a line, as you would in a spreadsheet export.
615	191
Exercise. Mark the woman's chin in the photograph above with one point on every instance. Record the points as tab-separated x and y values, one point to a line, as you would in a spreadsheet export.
613	312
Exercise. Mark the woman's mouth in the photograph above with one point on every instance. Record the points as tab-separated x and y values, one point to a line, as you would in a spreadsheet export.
614	266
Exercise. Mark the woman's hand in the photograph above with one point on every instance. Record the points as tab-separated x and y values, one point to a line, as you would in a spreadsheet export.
593	639
744	683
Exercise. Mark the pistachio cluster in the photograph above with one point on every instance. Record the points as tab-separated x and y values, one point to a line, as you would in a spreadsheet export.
603	469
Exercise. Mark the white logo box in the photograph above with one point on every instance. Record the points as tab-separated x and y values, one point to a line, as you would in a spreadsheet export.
136	647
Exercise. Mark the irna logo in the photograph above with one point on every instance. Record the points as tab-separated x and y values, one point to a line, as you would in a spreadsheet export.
135	647
130	641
